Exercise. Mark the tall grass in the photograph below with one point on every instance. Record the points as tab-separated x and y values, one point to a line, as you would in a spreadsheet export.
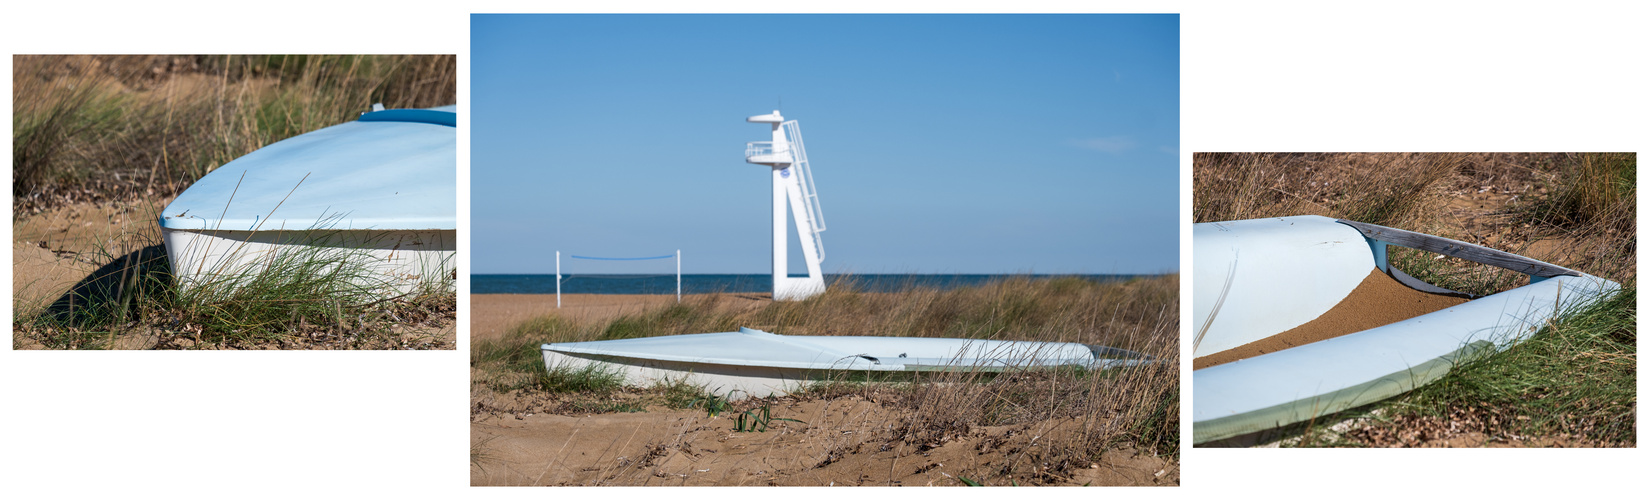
118	127
1593	209
1595	189
312	283
1390	190
1136	406
1062	309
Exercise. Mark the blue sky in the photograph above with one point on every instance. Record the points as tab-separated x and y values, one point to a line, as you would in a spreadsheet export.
939	143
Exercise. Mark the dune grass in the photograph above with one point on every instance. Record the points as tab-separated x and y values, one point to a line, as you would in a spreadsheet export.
1596	191
1390	190
135	130
1573	379
1129	407
1057	309
98	128
319	286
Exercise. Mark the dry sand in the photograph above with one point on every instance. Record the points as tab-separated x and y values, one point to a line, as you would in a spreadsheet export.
843	442
1378	300
53	250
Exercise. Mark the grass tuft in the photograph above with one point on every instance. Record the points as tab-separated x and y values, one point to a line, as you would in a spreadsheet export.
588	379
1594	189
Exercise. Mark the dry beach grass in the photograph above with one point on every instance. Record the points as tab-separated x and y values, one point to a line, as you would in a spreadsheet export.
1570	385
1055	427
101	143
121	128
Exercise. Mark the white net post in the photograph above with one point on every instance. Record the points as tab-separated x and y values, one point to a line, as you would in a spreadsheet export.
558	279
678	276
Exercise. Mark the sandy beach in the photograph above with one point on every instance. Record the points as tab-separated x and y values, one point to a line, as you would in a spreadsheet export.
843	443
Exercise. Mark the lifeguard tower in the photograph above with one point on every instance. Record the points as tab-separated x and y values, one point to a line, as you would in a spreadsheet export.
793	183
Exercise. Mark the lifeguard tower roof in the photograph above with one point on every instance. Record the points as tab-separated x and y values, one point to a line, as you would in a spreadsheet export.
769	118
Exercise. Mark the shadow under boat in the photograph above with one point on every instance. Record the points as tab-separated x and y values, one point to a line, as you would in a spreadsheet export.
104	292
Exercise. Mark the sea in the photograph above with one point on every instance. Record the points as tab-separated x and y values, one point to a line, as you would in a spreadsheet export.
738	283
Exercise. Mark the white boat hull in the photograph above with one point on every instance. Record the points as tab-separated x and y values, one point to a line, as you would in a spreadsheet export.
753	363
380	190
1260	277
734	381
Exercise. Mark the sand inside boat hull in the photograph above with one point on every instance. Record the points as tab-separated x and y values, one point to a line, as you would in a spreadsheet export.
1378	300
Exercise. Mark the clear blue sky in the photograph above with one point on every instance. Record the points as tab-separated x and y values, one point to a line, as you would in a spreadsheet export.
939	143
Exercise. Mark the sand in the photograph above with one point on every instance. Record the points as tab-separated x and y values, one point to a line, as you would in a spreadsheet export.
843	442
57	248
1377	301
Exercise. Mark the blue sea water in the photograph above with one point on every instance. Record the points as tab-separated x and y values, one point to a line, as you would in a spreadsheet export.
734	283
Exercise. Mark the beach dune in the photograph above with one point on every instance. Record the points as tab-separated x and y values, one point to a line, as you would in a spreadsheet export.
493	314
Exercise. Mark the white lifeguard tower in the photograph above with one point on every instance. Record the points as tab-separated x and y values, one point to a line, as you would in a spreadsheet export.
792	182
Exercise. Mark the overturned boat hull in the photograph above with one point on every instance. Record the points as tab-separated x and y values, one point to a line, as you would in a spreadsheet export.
754	363
379	192
1259	278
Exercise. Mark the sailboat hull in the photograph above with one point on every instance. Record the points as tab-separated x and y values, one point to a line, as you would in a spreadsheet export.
755	363
1258	278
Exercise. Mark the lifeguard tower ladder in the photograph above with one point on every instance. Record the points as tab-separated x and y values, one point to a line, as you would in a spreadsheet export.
792	183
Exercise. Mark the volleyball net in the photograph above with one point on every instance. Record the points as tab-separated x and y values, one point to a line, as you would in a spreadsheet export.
654	275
